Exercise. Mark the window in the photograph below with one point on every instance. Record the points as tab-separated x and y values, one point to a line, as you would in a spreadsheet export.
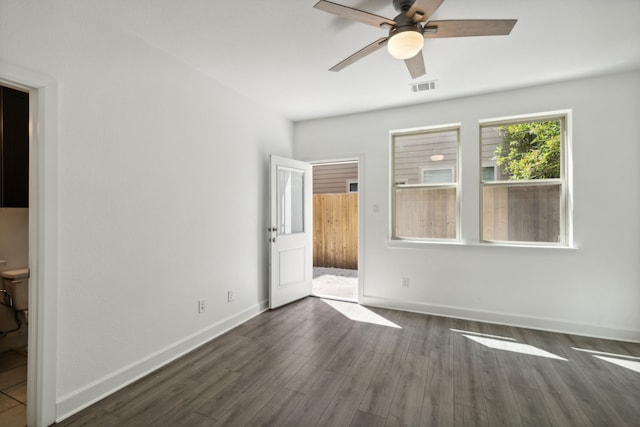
437	176
424	183
524	196
290	183
488	173
352	186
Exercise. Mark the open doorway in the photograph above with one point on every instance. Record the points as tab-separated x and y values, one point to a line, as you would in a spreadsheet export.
42	245
14	253
335	229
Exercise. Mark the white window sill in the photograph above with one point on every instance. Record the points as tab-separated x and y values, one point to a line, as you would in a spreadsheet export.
417	244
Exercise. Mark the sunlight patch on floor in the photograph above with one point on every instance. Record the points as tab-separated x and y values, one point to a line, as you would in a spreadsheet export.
358	313
509	344
513	346
483	335
340	283
623	360
629	364
604	353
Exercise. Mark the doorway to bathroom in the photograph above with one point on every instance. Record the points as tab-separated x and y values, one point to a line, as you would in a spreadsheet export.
335	229
43	239
14	253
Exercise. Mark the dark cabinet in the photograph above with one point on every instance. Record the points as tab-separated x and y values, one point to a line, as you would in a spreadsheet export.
14	148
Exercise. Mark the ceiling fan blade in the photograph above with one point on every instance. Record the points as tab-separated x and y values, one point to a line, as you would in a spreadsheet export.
355	14
360	54
469	28
415	66
421	10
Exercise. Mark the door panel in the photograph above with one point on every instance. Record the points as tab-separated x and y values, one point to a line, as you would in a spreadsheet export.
291	264
291	231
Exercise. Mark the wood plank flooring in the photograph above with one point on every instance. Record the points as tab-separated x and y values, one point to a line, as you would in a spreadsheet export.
307	364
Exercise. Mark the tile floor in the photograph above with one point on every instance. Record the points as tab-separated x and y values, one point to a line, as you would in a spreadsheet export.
13	388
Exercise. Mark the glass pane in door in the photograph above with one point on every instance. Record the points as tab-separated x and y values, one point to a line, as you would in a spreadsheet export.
290	200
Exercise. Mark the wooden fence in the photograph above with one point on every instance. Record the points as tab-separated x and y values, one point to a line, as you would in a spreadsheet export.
426	213
335	230
528	213
524	214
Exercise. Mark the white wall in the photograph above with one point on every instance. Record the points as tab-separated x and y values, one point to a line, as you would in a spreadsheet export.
162	183
594	290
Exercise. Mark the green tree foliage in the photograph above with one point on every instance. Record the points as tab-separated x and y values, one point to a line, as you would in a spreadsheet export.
530	150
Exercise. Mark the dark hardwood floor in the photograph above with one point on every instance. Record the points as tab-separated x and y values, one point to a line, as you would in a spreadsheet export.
307	364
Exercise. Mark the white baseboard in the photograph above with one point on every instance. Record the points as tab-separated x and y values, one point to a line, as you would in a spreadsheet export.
79	399
510	319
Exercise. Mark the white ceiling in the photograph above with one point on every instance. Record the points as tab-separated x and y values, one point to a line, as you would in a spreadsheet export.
278	52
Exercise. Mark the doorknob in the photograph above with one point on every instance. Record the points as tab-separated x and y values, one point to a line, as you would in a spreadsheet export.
273	229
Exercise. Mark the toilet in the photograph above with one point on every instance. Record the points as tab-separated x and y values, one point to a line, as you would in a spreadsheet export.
16	283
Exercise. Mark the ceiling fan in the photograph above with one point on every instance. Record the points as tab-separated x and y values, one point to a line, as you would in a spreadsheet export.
408	30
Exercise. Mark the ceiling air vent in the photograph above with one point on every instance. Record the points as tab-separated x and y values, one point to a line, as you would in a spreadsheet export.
423	86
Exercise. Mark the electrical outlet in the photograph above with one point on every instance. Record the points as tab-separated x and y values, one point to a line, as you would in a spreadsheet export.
201	306
230	295
405	282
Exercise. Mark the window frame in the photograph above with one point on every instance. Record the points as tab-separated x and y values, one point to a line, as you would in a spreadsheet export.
485	165
565	239
424	169
396	184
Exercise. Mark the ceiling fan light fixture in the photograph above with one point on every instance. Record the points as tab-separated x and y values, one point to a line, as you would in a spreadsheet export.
405	43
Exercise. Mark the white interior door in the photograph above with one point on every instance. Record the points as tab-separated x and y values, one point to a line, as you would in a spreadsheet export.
290	232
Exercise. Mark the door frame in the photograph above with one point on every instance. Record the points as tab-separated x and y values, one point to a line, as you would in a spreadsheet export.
360	158
43	239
